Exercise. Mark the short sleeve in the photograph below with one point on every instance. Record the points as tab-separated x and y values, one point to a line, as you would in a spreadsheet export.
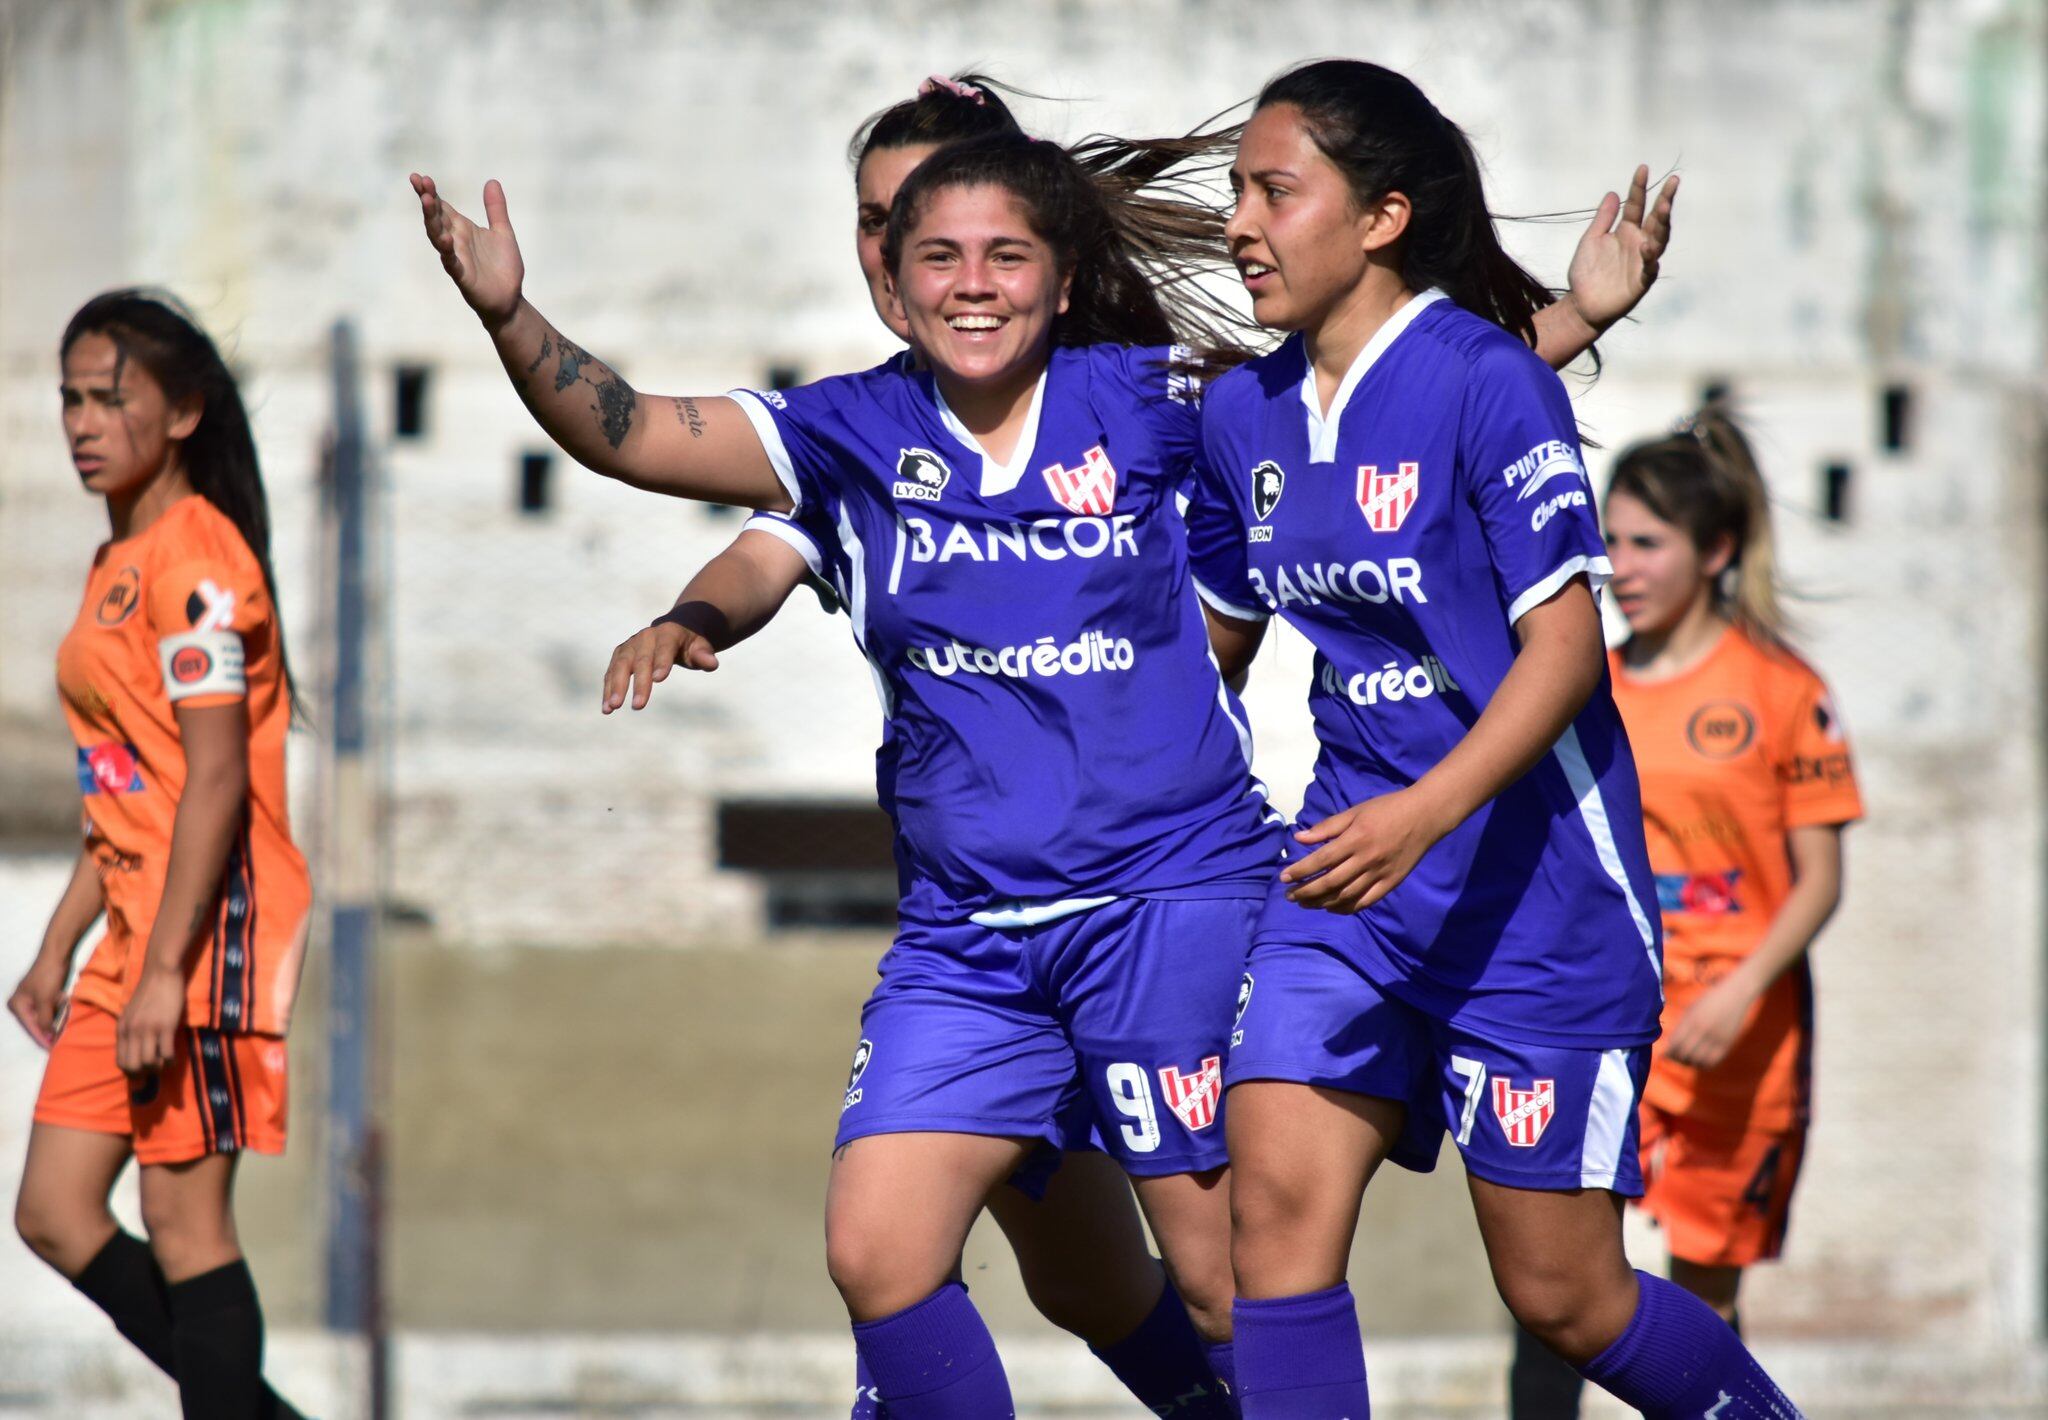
790	531
1160	383
1815	772
1218	553
786	422
1518	447
212	615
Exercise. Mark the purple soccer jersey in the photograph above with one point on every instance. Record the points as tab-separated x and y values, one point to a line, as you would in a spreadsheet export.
1404	535
1055	727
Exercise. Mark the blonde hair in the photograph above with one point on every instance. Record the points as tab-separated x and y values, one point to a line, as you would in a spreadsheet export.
1704	478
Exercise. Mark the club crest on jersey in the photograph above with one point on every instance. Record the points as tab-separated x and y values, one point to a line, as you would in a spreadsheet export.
1269	481
862	1054
119	601
1385	498
1194	1097
1524	1114
1089	490
921	475
110	769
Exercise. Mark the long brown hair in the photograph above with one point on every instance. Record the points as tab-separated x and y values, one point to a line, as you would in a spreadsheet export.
1704	479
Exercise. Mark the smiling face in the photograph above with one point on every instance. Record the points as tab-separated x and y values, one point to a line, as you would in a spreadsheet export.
1298	236
121	428
978	287
881	172
1658	573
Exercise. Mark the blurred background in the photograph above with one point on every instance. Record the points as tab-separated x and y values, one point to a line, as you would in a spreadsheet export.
615	963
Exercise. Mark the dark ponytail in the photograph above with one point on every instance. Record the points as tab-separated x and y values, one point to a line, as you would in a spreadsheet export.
1385	136
943	111
1127	221
219	456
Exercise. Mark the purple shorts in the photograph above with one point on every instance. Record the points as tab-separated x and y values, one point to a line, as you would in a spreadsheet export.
1114	1019
1526	1116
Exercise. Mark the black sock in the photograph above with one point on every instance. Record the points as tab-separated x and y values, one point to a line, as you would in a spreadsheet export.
124	1281
1541	1384
217	1336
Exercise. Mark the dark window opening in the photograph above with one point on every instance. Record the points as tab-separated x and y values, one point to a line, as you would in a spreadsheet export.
1898	413
1834	491
825	863
409	402
784	377
536	482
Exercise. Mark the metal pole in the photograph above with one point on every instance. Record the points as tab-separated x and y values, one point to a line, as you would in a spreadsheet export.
354	1293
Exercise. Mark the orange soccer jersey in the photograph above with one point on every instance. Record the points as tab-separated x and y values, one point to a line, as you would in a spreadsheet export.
1734	754
179	615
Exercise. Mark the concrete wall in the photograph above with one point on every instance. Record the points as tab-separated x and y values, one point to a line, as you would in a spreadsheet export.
1863	208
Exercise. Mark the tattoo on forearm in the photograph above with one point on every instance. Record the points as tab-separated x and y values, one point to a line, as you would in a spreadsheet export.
547	348
615	401
574	358
688	416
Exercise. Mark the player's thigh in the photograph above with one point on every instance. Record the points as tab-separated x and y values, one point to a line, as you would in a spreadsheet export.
1081	1247
898	1209
1190	1216
61	1209
1303	1157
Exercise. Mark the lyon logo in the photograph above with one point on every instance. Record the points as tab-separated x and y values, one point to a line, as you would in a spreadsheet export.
1194	1097
1089	490
1269	480
920	475
1385	498
1524	1114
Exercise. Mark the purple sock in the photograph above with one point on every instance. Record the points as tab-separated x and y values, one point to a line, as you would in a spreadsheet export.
1163	1364
1223	1361
867	1401
936	1361
1300	1358
1677	1360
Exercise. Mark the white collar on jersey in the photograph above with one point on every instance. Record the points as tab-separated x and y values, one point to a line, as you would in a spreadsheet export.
1322	430
998	478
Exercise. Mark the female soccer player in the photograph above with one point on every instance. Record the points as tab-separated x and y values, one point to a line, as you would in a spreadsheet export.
175	685
1463	940
1747	786
1070	788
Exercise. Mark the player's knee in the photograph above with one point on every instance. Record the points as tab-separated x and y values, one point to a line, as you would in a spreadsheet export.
60	1233
875	1276
181	1224
1575	1311
1270	1205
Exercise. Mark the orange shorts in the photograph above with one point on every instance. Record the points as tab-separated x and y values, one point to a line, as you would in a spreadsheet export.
234	1099
1723	1196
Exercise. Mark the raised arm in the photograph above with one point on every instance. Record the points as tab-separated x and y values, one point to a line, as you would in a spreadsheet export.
1612	270
702	448
734	595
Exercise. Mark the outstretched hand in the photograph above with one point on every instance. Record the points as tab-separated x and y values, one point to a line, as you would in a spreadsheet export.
1616	261
645	659
483	262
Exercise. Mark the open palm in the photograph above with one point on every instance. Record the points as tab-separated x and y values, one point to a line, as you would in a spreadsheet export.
483	262
1616	261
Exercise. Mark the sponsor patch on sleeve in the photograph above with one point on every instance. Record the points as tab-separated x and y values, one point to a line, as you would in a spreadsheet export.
202	663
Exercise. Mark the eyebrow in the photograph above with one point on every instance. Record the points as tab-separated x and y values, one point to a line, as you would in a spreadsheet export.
953	245
1268	174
